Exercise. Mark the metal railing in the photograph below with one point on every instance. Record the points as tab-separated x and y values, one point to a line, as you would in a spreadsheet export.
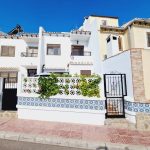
25	54
10	83
85	53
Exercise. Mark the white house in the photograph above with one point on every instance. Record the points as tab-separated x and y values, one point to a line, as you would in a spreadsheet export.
99	46
28	54
76	52
65	52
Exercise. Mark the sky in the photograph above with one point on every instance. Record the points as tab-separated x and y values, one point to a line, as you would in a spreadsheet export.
65	15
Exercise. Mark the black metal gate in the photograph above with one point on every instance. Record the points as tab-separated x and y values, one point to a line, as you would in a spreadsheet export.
9	99
115	90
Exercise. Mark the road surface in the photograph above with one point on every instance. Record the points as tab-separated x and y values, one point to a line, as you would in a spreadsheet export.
17	145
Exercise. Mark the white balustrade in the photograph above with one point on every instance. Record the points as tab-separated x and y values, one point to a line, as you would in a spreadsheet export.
71	84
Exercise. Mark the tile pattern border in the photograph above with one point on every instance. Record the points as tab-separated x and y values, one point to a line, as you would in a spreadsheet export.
79	104
137	107
62	103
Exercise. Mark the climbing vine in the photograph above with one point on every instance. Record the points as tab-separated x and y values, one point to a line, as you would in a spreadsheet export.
48	86
87	86
90	88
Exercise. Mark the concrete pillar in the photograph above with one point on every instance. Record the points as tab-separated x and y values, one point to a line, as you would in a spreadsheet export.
137	75
41	53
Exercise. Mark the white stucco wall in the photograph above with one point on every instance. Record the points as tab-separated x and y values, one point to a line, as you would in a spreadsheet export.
140	37
75	69
57	61
93	25
120	63
62	61
20	46
62	115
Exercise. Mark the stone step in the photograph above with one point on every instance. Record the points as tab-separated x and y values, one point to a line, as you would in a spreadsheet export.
8	114
119	123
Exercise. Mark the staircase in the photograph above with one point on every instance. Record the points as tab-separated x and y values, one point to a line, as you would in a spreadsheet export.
8	114
119	123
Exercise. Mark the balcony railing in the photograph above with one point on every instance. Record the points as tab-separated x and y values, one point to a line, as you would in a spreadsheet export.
25	54
85	53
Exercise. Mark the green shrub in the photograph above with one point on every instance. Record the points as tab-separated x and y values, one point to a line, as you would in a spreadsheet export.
48	86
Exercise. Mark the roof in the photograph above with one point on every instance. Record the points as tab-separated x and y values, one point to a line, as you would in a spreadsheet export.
2	33
130	23
19	35
113	17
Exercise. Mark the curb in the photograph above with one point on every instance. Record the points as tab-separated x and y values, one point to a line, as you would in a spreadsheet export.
67	142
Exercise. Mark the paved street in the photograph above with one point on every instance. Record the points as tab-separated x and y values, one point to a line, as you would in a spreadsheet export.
72	135
15	145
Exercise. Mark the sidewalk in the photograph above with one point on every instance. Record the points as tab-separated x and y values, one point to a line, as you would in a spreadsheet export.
74	135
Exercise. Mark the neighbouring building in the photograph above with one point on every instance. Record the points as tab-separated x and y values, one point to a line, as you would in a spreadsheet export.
126	50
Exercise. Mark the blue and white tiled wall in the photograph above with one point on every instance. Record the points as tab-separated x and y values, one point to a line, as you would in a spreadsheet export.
63	103
137	107
79	104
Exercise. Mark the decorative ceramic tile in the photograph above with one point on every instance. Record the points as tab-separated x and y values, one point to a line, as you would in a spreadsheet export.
80	104
137	107
63	103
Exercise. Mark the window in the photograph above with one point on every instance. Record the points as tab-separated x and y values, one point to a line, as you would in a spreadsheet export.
53	49
85	72
104	22
120	43
10	76
32	72
108	40
8	51
32	51
148	39
114	38
77	50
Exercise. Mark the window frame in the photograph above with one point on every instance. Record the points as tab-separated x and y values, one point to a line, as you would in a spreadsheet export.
59	52
8	48
79	54
9	78
120	43
87	72
32	51
148	39
31	72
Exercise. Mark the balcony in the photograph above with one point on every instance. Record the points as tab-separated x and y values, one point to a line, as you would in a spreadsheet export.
81	58
80	35
25	54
